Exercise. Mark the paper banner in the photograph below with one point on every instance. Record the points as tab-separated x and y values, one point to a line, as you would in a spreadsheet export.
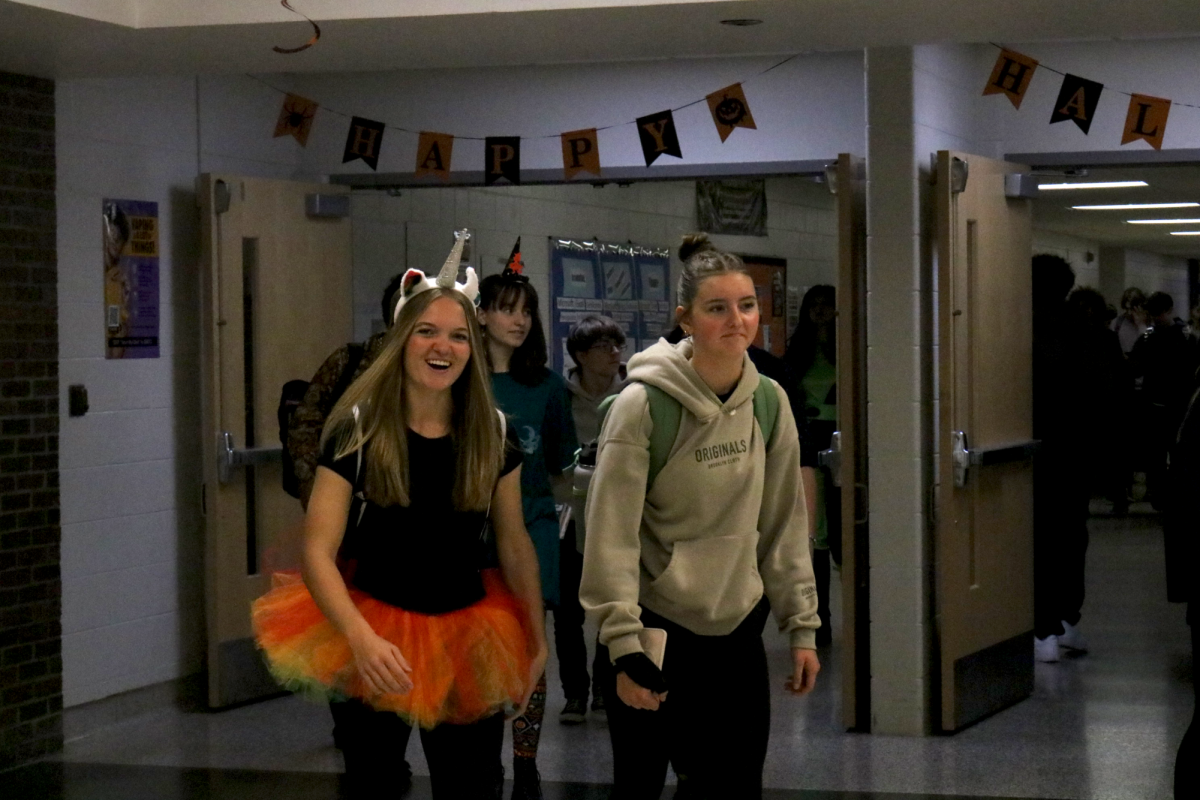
296	118
363	141
658	136
581	153
1147	119
1011	76
502	159
1077	101
730	110
433	154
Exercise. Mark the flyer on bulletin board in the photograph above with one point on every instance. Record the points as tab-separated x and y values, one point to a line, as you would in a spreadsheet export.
131	297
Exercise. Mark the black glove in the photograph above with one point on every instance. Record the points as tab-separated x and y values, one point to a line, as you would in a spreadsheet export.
642	671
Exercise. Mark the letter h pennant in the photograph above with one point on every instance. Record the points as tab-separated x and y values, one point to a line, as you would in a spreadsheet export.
363	141
1011	76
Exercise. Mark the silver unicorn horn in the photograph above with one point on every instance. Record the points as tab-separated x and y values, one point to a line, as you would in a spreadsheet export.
449	273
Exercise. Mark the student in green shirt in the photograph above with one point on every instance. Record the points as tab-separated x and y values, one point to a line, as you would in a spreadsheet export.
538	406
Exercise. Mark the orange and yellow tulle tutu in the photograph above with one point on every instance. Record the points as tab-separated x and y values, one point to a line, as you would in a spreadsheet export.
466	664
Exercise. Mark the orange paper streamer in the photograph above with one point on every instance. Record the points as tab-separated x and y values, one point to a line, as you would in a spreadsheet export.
316	33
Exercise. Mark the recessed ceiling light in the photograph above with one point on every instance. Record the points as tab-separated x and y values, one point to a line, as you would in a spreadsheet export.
1163	221
1185	233
1132	206
741	23
1049	187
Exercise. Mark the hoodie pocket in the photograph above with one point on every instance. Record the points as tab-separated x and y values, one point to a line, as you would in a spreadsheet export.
712	579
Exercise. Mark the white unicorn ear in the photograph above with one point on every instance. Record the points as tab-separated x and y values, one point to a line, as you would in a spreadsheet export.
471	287
412	283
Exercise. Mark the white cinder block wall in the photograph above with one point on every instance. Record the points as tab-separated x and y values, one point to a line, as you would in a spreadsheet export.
391	233
132	553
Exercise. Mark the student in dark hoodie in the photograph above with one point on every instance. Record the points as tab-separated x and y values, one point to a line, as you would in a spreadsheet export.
722	529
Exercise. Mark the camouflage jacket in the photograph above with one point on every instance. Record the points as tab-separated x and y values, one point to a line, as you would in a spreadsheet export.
304	428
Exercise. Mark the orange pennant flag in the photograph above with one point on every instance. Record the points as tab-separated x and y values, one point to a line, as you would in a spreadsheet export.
296	118
730	110
1011	76
581	153
1147	119
433	154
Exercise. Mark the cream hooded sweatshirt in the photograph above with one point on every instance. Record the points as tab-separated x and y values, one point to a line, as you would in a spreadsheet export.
723	523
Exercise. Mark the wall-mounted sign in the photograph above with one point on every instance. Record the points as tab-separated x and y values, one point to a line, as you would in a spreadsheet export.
131	299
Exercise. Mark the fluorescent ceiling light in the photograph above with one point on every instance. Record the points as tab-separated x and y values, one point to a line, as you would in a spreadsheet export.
1134	206
1093	185
1185	233
1163	221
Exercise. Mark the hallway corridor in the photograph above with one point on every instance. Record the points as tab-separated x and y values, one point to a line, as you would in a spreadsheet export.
1105	725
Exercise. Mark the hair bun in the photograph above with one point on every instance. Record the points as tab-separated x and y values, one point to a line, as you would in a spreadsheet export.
694	243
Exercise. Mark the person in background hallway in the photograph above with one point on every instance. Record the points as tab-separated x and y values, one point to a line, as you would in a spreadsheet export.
1102	391
693	548
1181	529
308	420
415	457
812	355
538	405
1162	358
1131	323
1060	485
595	344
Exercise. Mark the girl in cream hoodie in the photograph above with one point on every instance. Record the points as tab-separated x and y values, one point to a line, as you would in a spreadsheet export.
700	552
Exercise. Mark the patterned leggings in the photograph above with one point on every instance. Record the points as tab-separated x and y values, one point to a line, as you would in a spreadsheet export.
527	728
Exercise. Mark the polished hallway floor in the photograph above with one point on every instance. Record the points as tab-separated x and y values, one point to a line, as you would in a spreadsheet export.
1105	725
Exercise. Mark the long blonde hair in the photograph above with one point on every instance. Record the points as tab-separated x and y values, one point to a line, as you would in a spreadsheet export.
380	395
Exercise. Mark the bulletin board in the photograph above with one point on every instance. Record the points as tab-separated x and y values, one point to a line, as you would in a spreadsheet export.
770	284
629	283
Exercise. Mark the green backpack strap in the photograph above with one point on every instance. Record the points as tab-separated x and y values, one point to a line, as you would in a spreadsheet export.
665	416
766	407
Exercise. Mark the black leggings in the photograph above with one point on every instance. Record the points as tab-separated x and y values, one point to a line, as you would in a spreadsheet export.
1186	782
709	678
569	644
464	760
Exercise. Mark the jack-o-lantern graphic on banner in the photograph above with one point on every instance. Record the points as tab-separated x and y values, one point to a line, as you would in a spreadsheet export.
730	110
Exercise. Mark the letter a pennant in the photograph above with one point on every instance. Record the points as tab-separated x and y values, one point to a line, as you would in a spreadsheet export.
296	118
363	141
1011	76
581	153
658	135
433	154
1077	101
1147	119
730	110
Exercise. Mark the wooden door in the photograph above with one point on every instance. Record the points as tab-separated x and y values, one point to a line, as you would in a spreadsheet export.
770	283
276	289
984	509
849	182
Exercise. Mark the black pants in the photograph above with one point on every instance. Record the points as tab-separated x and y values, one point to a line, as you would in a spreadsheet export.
820	564
713	726
1060	540
569	644
464	760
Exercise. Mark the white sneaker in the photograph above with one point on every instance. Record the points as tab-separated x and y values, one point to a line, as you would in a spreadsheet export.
1046	650
1072	639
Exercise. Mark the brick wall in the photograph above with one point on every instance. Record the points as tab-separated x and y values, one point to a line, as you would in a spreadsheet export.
30	588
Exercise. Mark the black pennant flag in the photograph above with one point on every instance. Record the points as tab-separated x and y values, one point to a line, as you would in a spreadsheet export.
502	156
363	141
1077	101
658	135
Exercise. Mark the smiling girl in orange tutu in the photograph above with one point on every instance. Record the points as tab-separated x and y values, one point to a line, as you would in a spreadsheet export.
415	462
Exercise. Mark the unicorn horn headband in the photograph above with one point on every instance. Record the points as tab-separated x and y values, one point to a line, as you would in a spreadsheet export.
415	281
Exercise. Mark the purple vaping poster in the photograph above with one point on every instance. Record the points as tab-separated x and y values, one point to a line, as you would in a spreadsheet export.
130	279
